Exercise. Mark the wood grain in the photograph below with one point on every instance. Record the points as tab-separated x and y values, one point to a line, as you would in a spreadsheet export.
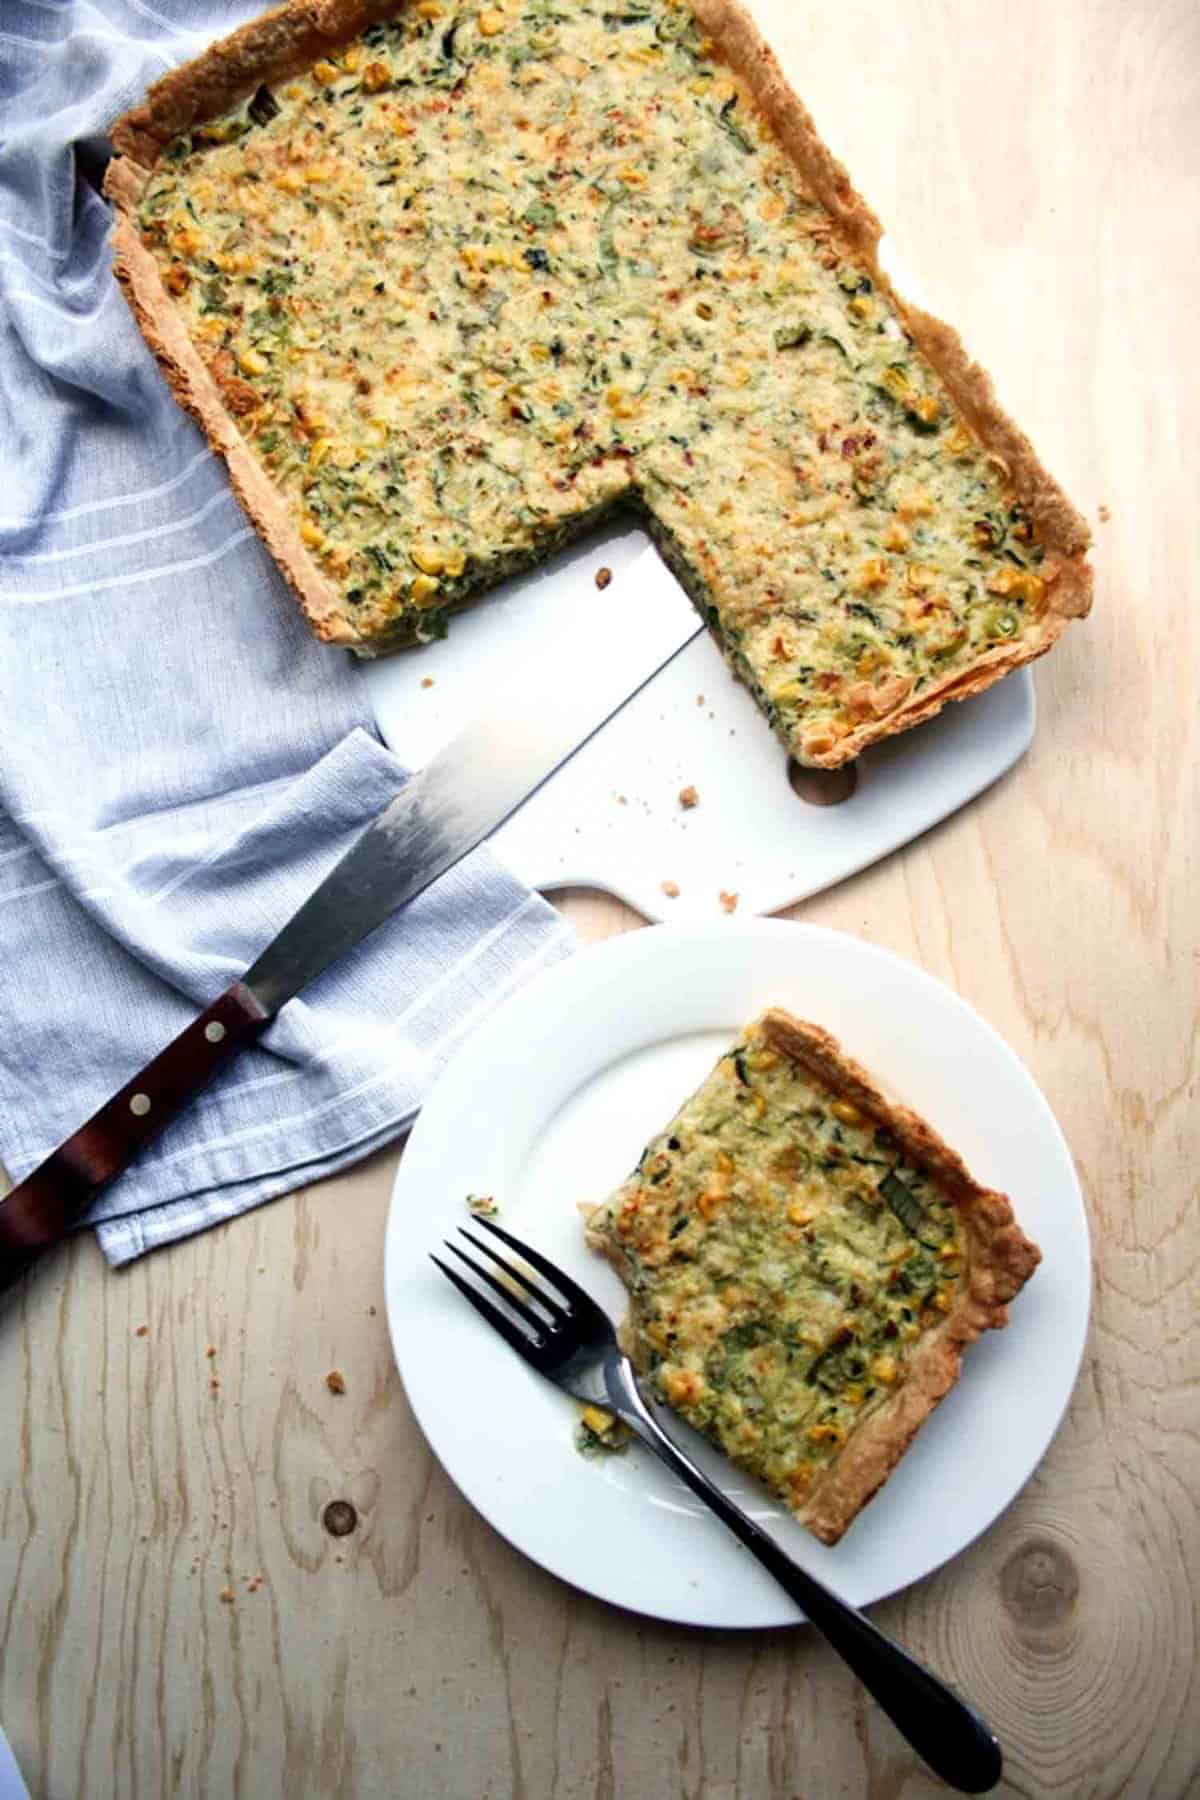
1037	166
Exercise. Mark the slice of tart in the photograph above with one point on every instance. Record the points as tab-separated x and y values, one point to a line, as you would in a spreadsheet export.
806	1262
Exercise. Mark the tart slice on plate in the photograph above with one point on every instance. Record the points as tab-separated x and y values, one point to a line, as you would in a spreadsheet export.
806	1262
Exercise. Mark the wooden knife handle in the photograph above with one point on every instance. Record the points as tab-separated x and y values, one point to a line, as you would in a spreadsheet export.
43	1208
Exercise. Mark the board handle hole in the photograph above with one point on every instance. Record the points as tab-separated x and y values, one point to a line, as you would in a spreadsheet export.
822	787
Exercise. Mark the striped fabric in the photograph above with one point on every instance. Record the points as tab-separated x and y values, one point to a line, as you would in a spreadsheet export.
179	762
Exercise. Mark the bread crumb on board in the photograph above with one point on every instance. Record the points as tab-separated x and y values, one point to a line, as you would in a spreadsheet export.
728	901
142	1331
670	889
603	577
688	797
335	1381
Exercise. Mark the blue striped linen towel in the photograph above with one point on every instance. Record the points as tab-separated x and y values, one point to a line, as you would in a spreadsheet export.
179	762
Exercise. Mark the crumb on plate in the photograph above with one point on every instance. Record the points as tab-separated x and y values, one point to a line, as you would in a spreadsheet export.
688	797
603	577
670	889
482	1205
427	681
728	901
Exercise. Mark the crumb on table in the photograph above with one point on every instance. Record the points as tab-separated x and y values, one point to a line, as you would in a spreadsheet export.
227	1596
211	1351
728	901
142	1331
603	577
670	889
335	1381
688	797
482	1205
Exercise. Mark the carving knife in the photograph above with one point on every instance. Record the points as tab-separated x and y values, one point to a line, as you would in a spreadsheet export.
609	649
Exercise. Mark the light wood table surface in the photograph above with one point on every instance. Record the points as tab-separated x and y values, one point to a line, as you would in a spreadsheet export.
1037	164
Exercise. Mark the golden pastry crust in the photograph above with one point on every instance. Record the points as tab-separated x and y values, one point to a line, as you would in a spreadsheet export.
999	1259
287	40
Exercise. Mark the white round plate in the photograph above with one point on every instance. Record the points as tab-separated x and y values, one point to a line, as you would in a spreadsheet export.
549	1104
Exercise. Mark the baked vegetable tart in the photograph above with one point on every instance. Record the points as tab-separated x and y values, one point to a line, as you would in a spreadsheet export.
445	281
806	1262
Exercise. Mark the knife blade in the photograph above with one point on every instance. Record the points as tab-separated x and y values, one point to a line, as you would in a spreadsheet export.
607	652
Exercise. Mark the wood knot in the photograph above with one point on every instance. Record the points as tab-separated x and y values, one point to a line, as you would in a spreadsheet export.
823	787
339	1518
1039	1584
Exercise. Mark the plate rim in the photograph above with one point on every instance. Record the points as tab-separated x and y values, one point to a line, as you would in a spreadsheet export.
649	941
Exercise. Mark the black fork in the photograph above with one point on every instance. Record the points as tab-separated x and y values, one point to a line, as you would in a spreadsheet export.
570	1340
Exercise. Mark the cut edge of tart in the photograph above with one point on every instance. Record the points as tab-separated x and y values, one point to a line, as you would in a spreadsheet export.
806	1262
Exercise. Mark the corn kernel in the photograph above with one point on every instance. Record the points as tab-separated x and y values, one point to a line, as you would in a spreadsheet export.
919	577
885	1369
708	1204
855	1394
847	1112
896	538
630	176
456	562
423	588
682	1386
597	1421
401	126
376	76
312	534
289	182
897	383
491	23
826	1434
319	451
428	558
799	1214
915	505
177	280
352	59
324	72
252	362
928	409
317	172
958	443
428	9
872	574
1018	584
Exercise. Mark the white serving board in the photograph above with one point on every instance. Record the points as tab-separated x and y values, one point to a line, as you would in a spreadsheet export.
611	818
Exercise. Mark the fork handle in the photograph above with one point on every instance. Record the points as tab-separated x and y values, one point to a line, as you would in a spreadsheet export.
952	1738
